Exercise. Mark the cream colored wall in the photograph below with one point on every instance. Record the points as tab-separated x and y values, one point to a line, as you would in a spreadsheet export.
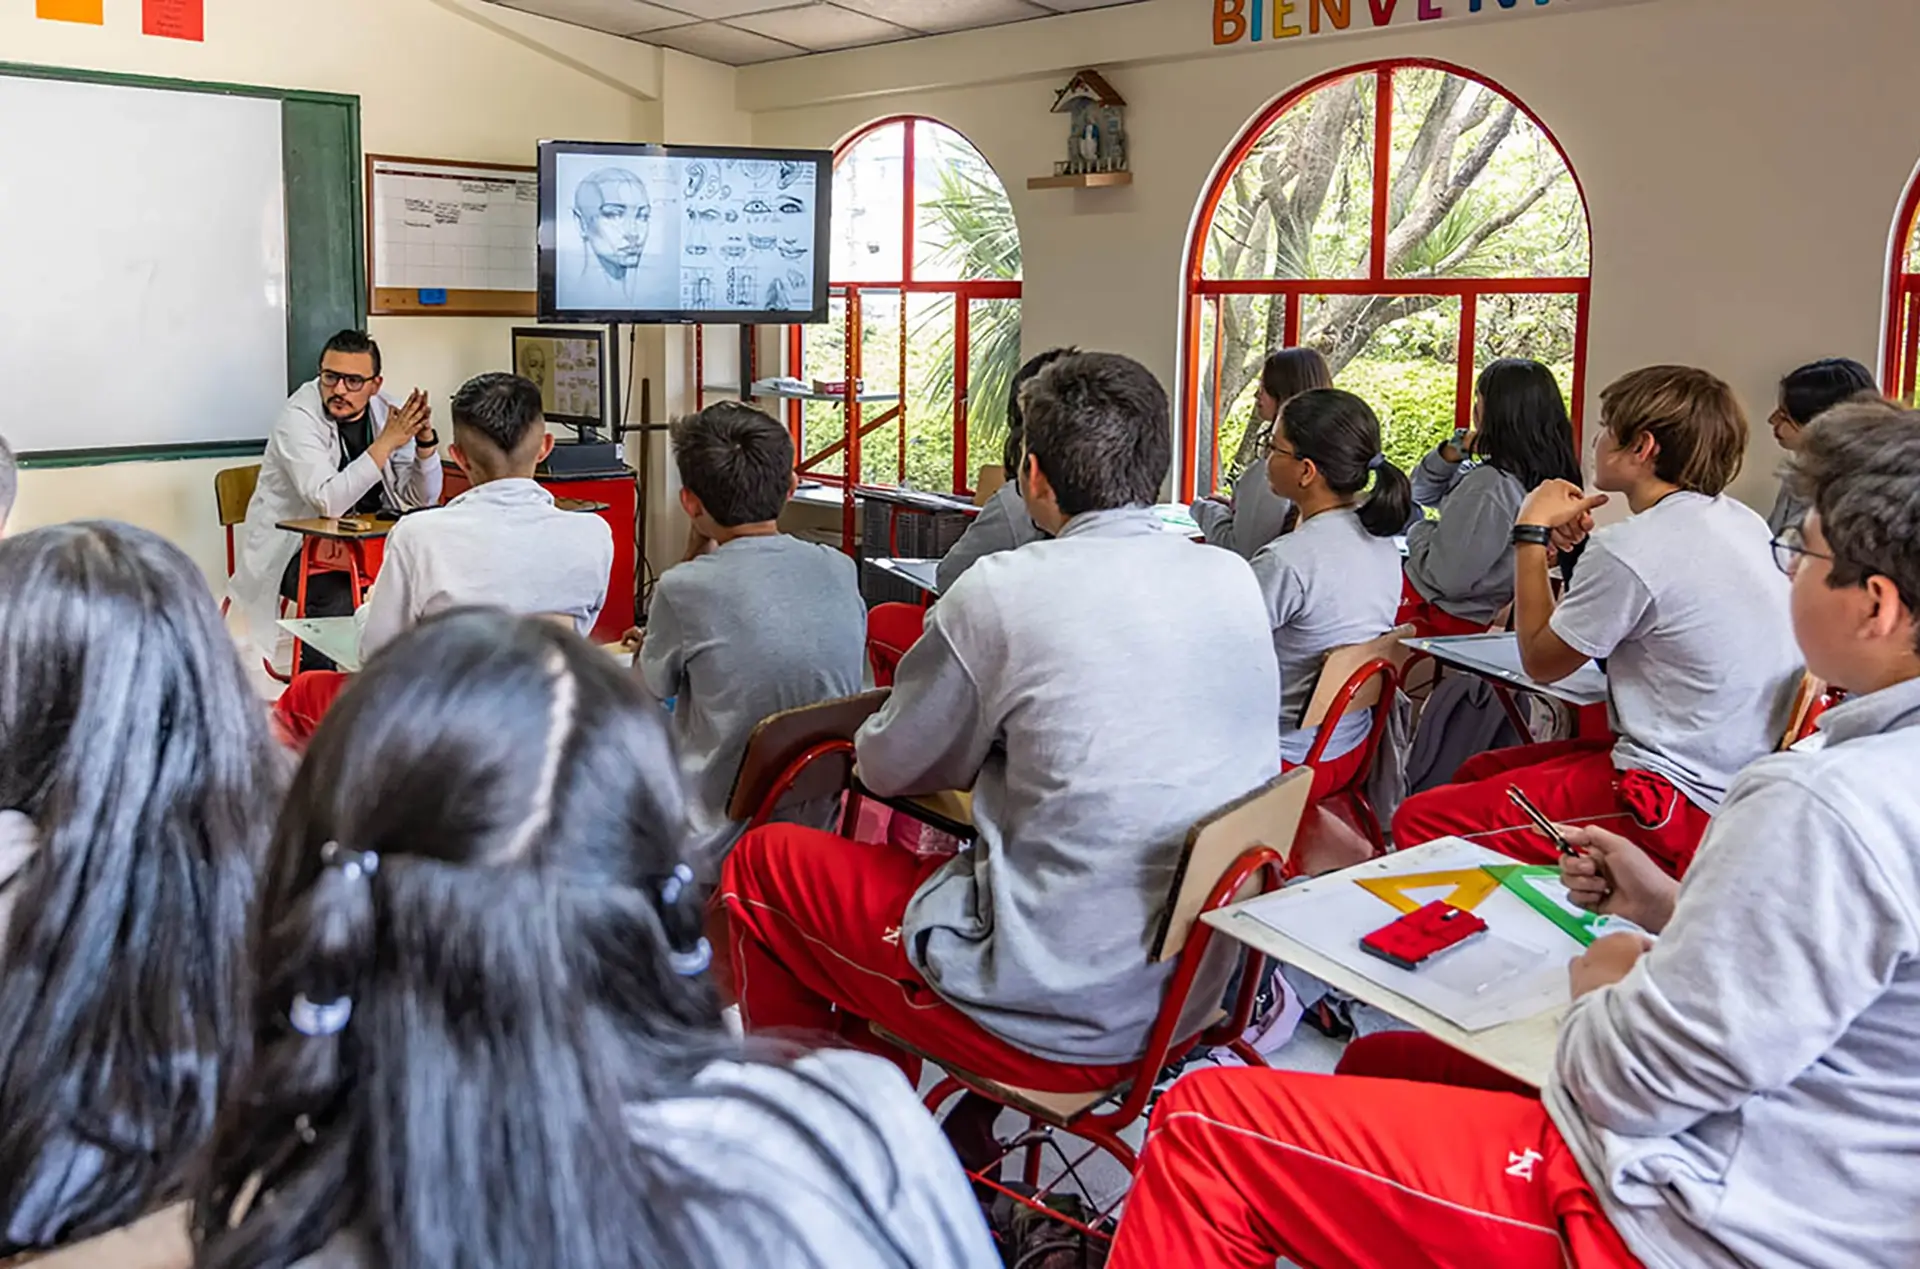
1743	162
436	78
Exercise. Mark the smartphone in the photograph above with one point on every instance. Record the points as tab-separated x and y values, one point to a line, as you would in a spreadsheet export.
1423	934
1541	822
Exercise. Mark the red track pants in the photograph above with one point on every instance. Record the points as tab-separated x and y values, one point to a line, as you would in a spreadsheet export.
891	630
812	934
1429	619
297	714
1242	1167
1572	782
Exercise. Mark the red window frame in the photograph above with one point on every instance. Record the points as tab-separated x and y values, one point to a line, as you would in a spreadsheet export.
1204	294
963	293
1900	362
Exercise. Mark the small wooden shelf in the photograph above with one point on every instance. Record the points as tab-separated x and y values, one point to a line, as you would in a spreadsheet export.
1085	180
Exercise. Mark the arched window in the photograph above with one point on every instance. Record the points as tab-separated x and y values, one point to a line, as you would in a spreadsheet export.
1409	219
1903	307
926	266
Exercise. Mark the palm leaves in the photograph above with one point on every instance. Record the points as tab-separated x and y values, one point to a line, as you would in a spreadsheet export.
972	220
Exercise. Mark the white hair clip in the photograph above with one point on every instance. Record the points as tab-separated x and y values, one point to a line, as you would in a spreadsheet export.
316	1021
677	881
354	863
694	963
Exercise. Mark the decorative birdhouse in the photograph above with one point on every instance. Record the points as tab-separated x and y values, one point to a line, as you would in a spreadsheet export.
1097	130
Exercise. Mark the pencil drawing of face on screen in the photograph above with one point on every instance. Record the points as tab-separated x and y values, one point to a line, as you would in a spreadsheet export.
615	216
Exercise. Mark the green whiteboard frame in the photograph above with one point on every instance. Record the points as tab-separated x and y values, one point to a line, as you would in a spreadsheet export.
326	251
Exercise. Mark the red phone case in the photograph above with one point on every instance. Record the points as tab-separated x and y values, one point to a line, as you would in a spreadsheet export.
1421	935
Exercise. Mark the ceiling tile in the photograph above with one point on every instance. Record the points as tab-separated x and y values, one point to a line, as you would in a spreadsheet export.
718	42
724	8
819	27
617	17
947	15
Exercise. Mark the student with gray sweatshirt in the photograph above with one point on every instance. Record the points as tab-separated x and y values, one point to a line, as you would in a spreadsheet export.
760	623
1335	580
1460	564
1740	1094
1058	683
1003	524
1257	515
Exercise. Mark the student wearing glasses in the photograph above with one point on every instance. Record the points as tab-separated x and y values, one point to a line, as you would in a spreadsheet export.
339	448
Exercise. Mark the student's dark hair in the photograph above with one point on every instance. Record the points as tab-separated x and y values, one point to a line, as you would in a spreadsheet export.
736	460
470	879
503	408
1341	434
355	343
131	740
1101	428
1817	387
1858	467
1694	417
9	481
1287	372
1012	451
1524	427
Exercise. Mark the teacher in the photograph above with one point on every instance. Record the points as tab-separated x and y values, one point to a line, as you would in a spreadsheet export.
338	448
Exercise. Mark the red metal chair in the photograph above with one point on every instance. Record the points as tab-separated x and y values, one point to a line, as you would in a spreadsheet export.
800	755
1813	699
1352	679
1234	854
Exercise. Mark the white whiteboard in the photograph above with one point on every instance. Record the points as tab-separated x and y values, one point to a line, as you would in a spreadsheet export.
143	265
439	226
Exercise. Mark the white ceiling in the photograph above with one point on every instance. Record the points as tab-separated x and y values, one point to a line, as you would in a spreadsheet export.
741	32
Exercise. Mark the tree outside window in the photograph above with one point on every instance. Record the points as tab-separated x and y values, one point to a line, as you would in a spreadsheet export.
923	237
1411	221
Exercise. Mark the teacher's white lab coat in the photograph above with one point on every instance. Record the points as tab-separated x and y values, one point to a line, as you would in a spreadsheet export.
301	478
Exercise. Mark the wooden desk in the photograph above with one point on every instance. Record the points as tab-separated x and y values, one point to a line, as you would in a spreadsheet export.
359	540
1523	1049
921	573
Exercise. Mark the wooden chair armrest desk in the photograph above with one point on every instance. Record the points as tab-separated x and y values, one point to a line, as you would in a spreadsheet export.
1234	854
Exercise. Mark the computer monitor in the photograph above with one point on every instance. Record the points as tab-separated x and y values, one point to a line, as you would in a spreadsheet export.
571	368
683	234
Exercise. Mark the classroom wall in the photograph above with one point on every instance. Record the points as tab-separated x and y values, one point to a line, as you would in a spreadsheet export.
436	78
1743	161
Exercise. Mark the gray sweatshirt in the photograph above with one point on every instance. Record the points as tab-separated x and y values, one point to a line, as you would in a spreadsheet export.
1002	525
756	626
1750	1094
1788	511
1463	562
894	1196
1255	518
1059	682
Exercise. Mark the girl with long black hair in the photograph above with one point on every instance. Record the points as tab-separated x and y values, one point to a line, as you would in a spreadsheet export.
1257	515
485	1031
1335	580
1460	566
1805	395
136	782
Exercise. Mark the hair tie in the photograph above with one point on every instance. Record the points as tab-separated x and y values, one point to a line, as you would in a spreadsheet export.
1376	462
354	863
317	1021
676	883
691	964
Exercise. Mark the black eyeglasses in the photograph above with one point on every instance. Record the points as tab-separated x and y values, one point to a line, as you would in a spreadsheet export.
352	383
1268	449
1790	547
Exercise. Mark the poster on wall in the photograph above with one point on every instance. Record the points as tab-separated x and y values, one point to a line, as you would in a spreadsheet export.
92	12
174	19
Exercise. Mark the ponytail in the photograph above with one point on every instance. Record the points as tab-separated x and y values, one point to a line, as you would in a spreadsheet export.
1340	434
1390	506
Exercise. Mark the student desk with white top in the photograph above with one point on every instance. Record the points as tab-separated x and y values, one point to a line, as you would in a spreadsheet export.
1495	657
1522	1049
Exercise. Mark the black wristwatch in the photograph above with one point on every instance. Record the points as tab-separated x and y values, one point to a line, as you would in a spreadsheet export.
428	441
1532	535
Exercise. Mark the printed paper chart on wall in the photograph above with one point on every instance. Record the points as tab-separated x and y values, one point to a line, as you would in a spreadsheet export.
459	239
